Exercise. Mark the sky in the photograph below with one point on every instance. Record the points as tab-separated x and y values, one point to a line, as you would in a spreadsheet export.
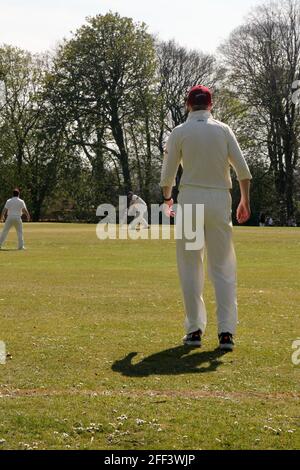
38	25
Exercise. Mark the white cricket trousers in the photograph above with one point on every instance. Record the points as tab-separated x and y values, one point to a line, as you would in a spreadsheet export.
221	261
13	222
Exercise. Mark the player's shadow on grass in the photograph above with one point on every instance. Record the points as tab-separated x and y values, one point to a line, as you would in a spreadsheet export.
9	249
170	362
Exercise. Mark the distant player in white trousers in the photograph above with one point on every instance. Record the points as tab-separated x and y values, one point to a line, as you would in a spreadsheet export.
206	148
137	206
13	210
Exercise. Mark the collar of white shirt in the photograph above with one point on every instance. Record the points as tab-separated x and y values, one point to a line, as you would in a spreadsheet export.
201	114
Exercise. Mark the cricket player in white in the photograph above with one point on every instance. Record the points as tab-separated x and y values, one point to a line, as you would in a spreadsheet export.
137	206
13	210
206	149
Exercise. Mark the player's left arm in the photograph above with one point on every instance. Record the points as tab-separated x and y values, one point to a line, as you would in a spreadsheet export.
238	162
243	213
236	157
25	211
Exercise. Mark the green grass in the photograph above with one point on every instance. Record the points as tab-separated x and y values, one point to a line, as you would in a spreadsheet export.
94	329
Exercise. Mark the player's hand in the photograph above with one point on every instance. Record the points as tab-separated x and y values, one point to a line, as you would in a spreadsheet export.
168	208
243	212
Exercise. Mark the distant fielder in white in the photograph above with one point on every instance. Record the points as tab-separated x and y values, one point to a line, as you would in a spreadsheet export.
136	206
13	210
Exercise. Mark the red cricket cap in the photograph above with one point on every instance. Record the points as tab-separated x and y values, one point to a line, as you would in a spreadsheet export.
199	95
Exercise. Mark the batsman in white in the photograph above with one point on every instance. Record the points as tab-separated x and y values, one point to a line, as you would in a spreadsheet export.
13	210
137	206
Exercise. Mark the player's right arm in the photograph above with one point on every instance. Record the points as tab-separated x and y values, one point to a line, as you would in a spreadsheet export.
3	214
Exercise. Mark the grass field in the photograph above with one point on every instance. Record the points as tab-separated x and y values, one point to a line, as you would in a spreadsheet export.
94	330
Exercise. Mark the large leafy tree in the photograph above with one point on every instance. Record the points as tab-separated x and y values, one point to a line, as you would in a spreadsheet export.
29	150
179	70
97	86
263	57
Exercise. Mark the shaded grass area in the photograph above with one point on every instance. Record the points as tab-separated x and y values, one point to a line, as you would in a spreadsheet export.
94	329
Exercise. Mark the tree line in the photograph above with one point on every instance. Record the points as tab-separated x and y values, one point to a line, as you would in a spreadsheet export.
88	123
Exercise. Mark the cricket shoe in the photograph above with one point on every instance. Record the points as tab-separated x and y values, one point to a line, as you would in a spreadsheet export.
226	342
193	339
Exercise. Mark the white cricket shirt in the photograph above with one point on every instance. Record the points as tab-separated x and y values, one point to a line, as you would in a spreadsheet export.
14	206
206	148
137	200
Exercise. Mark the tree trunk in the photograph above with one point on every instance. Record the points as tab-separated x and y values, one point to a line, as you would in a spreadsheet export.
117	131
